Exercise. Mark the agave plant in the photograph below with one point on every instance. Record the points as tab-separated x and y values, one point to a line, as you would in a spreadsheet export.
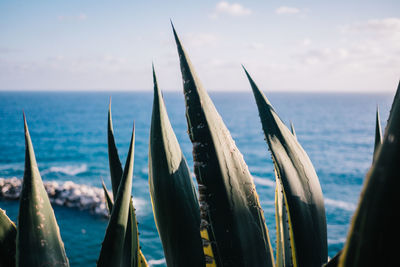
222	222
121	242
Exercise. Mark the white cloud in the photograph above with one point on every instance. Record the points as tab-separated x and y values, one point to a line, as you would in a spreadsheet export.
256	46
232	9
368	49
286	10
306	42
200	39
386	26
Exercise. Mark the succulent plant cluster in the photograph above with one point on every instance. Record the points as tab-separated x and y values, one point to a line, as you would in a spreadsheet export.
221	223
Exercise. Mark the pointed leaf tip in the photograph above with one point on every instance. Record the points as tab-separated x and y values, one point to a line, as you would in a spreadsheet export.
177	40
113	158
300	182
112	248
38	236
25	123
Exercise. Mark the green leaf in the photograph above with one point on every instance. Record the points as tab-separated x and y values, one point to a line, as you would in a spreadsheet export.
373	233
285	250
131	243
334	261
132	255
378	134
8	233
292	130
113	158
112	248
300	183
175	205
107	196
38	236
231	211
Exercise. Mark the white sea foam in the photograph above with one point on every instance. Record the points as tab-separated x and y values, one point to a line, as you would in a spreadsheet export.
67	194
340	204
71	170
263	181
14	167
156	262
337	241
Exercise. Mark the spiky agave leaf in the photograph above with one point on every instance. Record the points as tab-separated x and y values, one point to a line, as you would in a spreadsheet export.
236	224
107	196
334	261
175	205
132	255
38	236
285	253
8	233
113	158
112	248
300	183
293	130
374	228
378	134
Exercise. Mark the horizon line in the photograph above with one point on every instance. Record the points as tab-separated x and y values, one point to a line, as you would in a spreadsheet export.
179	91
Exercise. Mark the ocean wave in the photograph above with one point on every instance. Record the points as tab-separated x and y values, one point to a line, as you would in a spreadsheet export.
67	194
71	170
340	204
337	241
263	181
14	167
156	262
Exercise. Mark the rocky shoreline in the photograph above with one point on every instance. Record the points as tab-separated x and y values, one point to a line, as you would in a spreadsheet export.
67	194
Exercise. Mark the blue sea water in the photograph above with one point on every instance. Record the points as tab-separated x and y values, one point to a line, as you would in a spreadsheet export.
68	130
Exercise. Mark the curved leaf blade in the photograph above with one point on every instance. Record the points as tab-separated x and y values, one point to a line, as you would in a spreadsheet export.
111	253
285	247
373	227
8	234
38	236
132	255
113	158
232	213
334	262
293	130
175	205
107	196
300	183
378	134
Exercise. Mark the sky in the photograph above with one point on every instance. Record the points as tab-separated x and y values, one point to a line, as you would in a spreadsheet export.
310	46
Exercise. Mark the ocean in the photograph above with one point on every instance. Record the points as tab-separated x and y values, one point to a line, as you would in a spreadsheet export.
69	135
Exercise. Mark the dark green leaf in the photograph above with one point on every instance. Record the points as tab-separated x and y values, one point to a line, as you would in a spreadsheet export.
292	130
8	233
38	236
374	229
107	196
378	134
300	183
231	211
175	205
285	253
113	158
132	255
112	248
334	261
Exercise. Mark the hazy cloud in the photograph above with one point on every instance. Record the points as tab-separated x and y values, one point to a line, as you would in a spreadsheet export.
369	46
386	25
232	9
200	39
286	10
